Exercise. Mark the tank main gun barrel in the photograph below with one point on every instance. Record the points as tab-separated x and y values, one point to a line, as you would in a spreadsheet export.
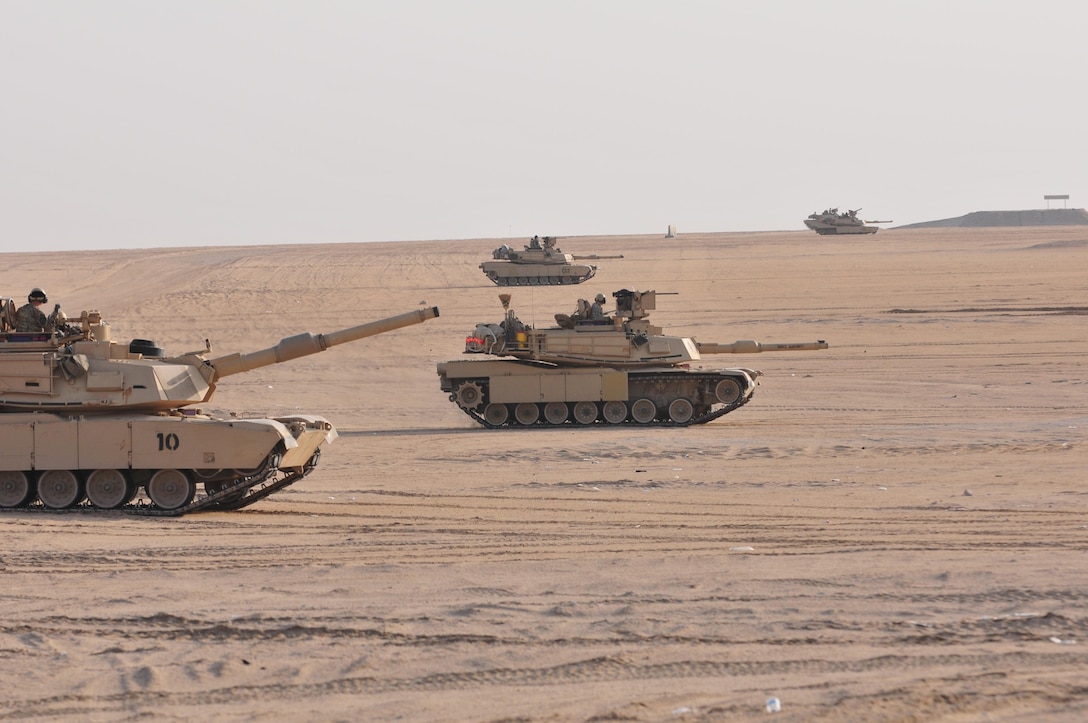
593	257
306	344
748	346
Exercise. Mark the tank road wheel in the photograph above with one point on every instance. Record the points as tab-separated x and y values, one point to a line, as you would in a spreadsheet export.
556	412
728	391
643	411
469	395
15	489
58	489
681	411
170	489
614	412
108	489
527	413
496	414
585	412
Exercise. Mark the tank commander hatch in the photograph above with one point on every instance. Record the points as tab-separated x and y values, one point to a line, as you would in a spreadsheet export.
31	319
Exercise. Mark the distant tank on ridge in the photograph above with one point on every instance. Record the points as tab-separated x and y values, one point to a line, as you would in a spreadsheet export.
831	223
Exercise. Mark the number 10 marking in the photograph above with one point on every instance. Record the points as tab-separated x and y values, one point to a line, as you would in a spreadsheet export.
168	441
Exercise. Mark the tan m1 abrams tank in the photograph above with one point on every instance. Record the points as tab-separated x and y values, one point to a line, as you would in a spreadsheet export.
84	417
619	369
542	263
832	223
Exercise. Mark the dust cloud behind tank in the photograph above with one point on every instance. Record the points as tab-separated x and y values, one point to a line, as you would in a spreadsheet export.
616	370
88	421
540	263
832	223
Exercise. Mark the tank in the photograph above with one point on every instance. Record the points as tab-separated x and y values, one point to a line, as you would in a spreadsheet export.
615	370
831	222
90	422
542	263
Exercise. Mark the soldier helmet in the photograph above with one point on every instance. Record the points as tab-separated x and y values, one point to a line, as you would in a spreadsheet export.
37	294
599	298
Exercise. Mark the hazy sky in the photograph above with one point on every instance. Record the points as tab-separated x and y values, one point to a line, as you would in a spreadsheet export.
141	123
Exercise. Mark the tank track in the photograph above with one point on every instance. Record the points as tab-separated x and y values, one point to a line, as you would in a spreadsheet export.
538	280
239	493
707	416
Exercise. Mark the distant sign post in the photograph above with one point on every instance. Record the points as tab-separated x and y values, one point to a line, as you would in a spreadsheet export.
1063	197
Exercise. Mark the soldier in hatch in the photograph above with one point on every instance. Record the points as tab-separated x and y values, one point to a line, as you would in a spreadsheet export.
597	310
30	318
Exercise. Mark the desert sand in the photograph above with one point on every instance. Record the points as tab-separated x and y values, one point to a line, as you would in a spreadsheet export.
894	529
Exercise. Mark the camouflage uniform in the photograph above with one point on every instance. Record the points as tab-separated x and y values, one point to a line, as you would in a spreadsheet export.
30	318
597	310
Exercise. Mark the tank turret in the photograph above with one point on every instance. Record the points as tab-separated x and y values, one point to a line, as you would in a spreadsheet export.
83	415
541	263
615	369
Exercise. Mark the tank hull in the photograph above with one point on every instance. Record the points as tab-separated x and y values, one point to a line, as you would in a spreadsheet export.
826	229
508	273
502	393
180	462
